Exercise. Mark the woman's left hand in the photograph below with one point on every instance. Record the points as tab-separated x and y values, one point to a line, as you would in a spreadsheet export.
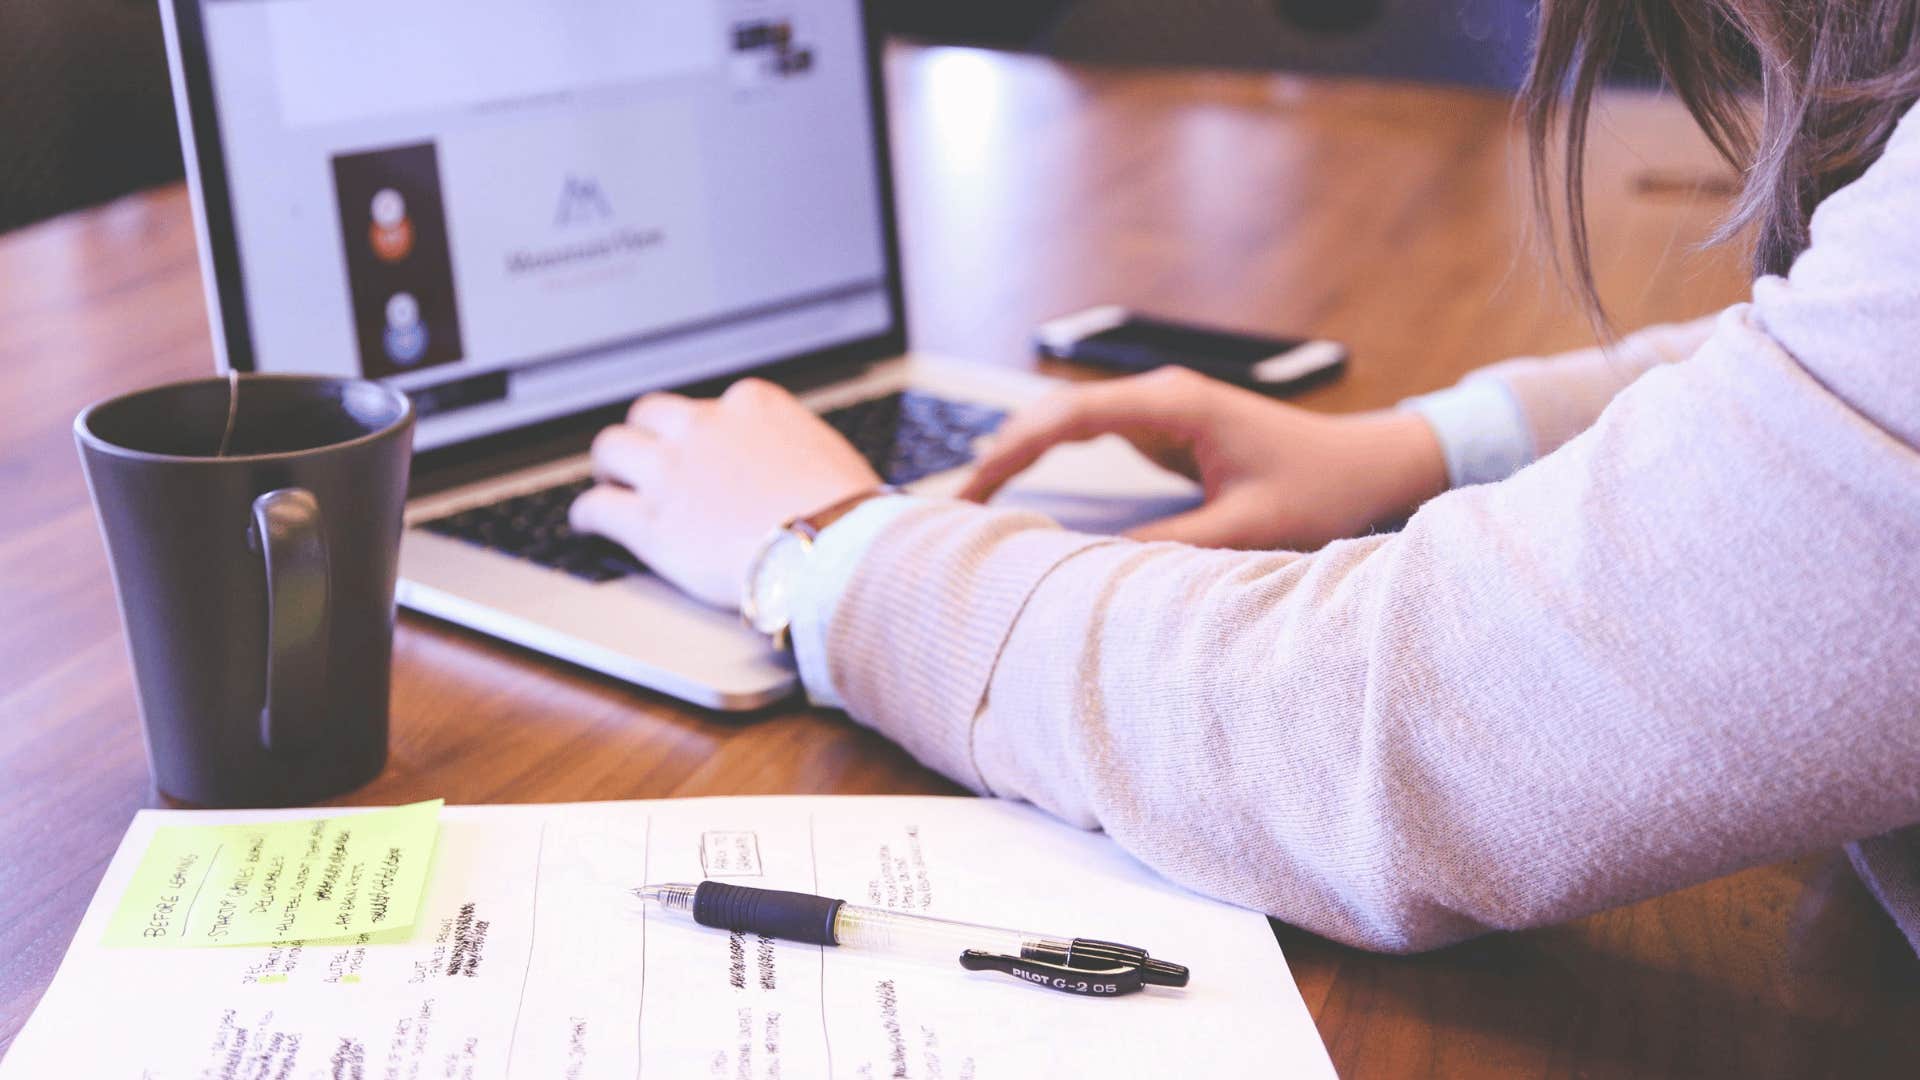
692	487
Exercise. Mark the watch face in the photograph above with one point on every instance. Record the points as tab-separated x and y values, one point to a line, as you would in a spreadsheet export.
771	589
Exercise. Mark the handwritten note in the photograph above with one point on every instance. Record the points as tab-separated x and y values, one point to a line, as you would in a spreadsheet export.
278	881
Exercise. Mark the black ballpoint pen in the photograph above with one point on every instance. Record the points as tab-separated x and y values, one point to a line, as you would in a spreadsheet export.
1070	965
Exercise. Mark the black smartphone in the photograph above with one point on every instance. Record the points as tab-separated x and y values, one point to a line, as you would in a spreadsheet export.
1122	340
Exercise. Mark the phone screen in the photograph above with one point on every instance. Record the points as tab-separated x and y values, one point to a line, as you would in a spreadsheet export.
1174	343
1123	341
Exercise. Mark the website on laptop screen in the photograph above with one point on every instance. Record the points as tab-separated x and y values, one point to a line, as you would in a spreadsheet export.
516	209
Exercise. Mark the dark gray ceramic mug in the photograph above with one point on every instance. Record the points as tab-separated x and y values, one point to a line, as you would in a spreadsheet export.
256	587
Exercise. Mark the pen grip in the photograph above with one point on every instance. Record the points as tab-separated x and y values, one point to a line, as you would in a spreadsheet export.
790	916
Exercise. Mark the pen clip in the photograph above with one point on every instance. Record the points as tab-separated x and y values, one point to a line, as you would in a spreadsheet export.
1087	982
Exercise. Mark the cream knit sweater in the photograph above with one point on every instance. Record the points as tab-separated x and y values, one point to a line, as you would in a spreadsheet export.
1685	641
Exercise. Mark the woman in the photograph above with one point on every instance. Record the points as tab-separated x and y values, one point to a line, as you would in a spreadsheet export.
1661	627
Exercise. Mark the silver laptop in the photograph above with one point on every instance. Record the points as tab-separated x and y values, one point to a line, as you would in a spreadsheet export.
524	215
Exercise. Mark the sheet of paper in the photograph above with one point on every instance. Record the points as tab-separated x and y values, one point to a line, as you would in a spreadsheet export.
267	881
531	959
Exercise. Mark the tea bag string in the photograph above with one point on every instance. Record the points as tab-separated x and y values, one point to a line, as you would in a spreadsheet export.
233	410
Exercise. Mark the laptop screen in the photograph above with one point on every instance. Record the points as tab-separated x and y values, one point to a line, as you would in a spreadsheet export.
516	210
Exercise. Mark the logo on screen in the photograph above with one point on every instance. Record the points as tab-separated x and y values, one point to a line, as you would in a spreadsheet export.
391	231
581	202
405	337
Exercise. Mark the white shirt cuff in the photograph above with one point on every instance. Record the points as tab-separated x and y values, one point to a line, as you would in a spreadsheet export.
1483	434
836	554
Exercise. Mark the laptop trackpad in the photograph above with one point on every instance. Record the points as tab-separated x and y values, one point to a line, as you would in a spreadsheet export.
1102	486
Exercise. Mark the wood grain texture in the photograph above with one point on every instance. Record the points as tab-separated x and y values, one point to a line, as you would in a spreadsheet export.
1387	216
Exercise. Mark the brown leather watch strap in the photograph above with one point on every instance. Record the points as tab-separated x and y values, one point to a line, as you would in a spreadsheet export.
812	525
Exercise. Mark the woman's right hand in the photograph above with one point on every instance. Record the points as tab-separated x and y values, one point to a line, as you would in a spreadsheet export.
1275	476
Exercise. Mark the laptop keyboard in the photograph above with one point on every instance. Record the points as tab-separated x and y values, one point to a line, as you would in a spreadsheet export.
534	527
906	436
910	436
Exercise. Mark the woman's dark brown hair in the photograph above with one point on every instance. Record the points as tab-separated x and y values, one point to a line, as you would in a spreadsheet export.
1798	95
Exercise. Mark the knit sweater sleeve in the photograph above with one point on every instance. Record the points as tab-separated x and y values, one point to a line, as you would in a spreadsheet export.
1678	645
1560	395
1502	417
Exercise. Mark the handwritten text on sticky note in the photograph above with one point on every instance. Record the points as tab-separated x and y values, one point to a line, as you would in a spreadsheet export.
307	879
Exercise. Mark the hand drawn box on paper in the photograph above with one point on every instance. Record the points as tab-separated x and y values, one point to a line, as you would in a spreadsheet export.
730	853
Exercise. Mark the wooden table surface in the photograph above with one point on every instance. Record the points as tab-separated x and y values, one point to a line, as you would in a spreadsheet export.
1387	216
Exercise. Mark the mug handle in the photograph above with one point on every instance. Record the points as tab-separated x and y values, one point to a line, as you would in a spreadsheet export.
287	525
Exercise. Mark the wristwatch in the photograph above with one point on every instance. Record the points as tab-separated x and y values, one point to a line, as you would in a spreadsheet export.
766	597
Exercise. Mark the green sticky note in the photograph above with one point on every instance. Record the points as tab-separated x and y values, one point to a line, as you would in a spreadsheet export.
309	879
